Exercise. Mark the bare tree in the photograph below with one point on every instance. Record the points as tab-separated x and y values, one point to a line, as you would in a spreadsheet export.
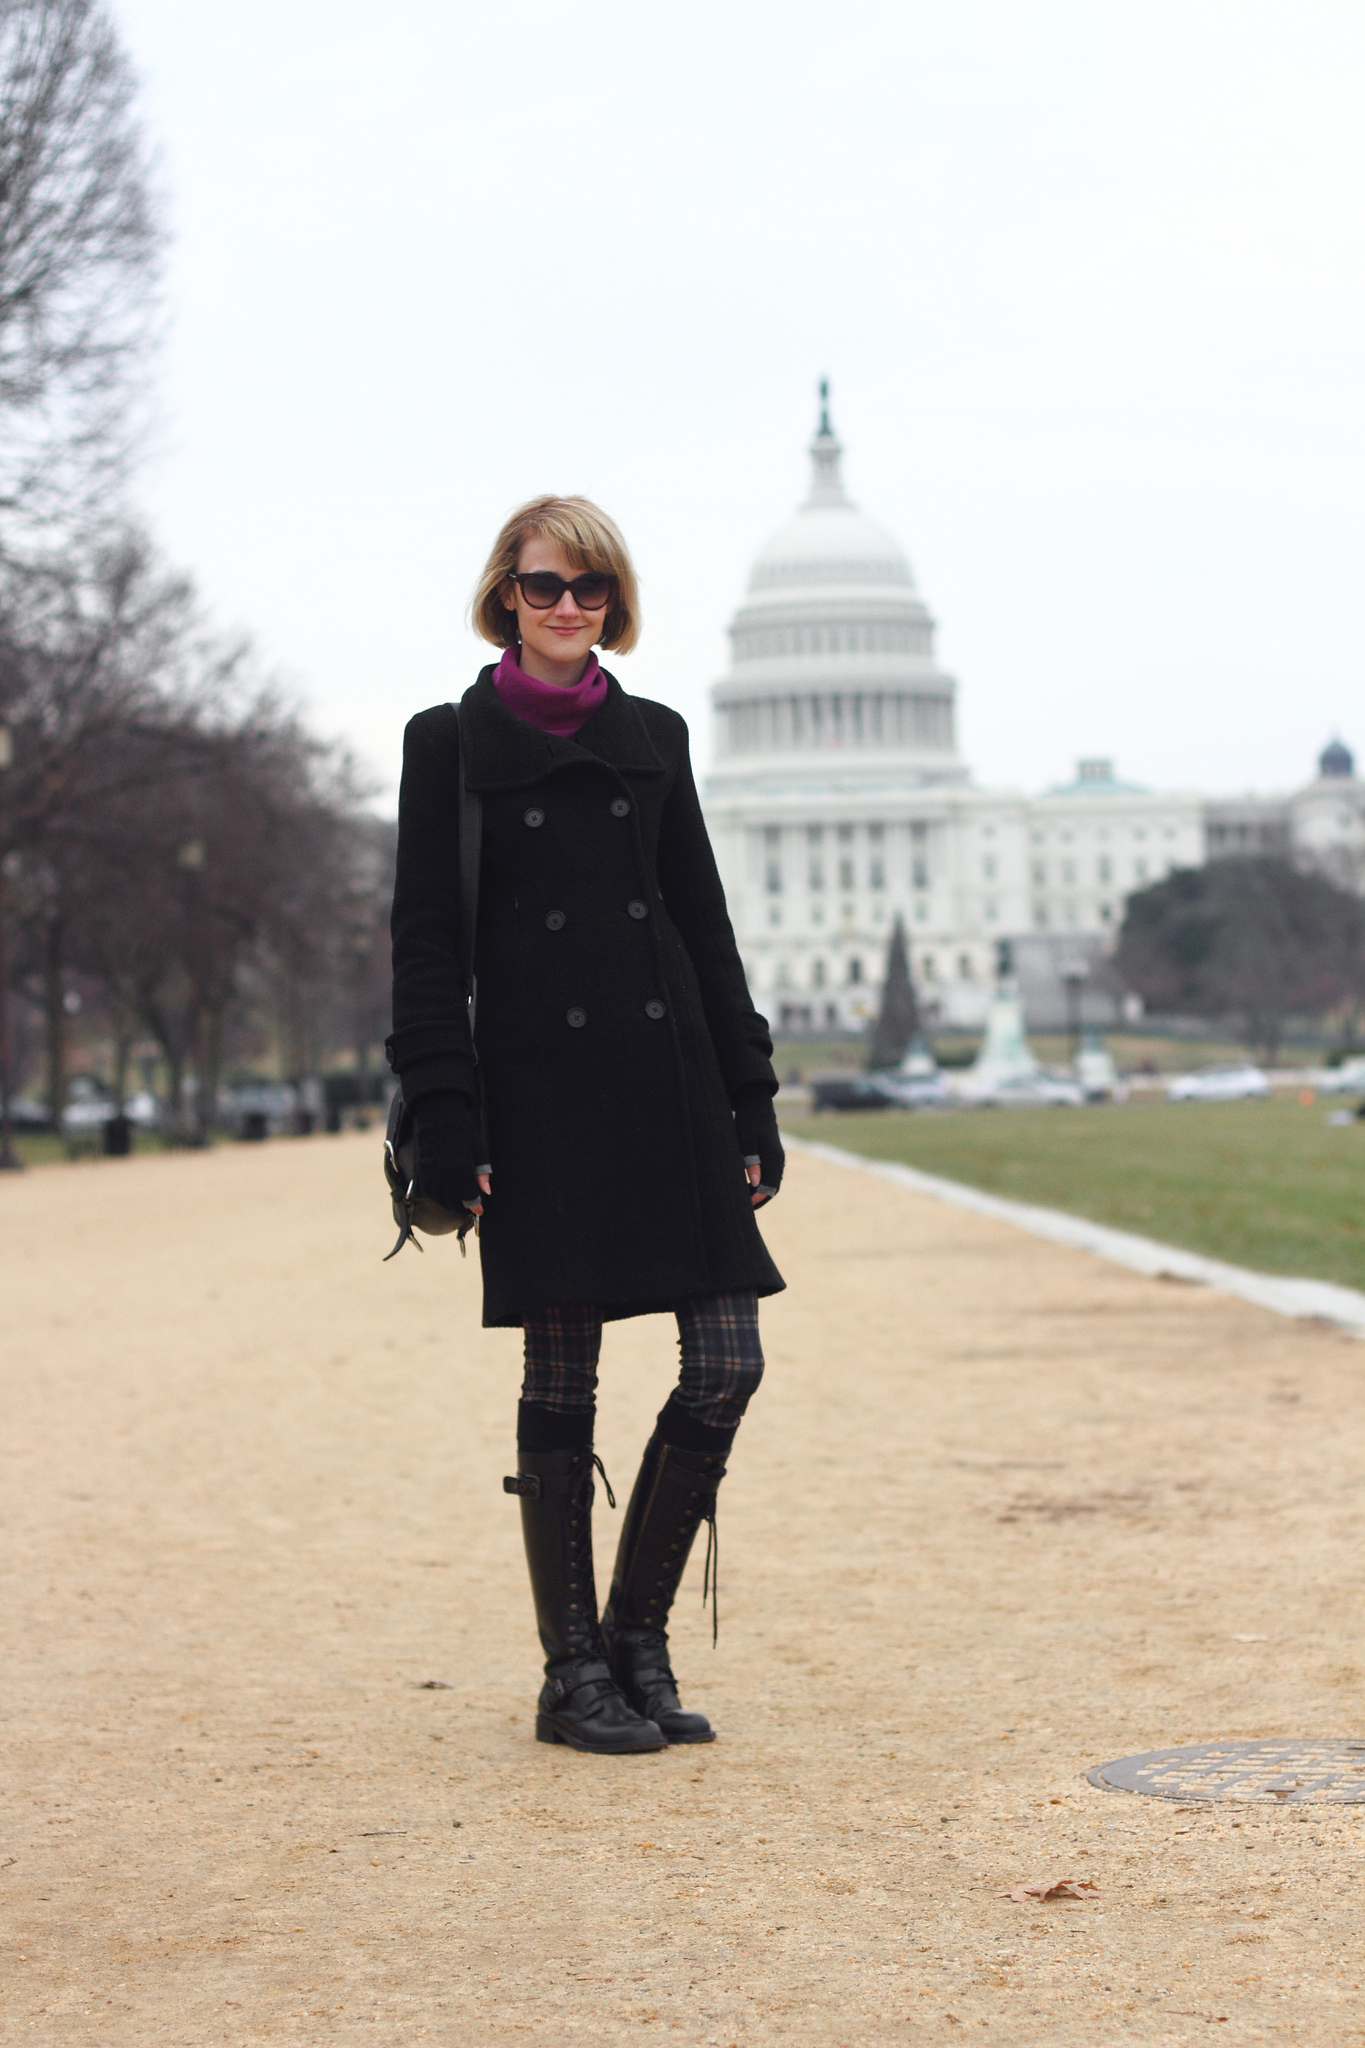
80	244
1256	940
93	649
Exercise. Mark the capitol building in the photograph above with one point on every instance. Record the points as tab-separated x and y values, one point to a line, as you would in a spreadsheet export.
838	801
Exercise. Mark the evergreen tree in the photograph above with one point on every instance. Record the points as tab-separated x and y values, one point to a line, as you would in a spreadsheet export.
898	1021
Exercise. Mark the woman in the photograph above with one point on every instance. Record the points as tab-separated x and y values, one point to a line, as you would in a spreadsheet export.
623	1090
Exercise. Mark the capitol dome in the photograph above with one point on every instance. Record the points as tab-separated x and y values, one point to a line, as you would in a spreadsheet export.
832	660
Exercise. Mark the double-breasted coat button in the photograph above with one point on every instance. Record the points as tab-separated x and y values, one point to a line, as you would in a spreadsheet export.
534	817
576	1017
554	920
638	909
654	1008
620	808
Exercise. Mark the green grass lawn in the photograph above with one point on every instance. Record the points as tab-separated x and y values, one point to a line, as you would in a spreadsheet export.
1264	1184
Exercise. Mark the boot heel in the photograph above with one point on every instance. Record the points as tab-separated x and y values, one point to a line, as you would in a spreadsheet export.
546	1730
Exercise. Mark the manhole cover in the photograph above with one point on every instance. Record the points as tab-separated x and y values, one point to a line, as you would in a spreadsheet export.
1269	1773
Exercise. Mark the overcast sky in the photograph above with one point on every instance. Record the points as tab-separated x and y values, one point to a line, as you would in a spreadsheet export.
1087	280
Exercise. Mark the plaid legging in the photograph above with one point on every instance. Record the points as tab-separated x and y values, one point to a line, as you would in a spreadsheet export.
722	1359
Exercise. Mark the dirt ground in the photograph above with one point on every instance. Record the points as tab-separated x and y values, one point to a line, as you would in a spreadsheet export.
999	1513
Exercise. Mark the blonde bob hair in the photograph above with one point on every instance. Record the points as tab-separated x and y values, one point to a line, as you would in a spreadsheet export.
588	538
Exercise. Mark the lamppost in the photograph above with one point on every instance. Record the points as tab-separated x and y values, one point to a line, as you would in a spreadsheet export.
1074	974
10	1162
191	859
362	945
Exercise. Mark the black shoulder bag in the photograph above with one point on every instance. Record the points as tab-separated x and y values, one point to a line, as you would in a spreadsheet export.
411	1211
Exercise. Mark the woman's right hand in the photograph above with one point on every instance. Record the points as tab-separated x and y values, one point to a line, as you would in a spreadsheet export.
760	1143
446	1166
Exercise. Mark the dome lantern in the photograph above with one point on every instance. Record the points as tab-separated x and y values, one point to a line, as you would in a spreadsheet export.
826	456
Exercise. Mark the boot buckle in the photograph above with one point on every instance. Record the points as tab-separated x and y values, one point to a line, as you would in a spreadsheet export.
526	1483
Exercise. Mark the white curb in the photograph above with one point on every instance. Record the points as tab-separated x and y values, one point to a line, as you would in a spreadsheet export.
1321	1300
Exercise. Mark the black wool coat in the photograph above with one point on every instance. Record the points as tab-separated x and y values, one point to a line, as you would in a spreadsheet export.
614	1026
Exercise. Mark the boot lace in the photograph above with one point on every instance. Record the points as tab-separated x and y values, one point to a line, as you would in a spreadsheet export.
710	1577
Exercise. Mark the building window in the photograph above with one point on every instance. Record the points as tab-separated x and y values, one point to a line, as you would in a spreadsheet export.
964	967
922	911
988	867
1105	871
831	1014
991	912
919	872
1039	873
817	974
1040	916
1068	869
772	865
817	913
855	970
929	968
845	873
774	913
1140	870
1106	912
876	872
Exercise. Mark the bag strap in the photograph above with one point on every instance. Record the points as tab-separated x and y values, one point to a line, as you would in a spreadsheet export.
470	809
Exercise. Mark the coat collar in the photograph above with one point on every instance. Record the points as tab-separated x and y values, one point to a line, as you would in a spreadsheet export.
504	752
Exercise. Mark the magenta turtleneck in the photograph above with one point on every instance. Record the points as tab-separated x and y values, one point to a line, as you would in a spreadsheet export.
545	705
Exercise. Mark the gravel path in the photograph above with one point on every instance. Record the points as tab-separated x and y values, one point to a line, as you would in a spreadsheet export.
999	1513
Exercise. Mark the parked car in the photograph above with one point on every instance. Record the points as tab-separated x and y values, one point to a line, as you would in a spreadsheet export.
142	1109
89	1106
915	1091
1040	1090
1234	1083
1347	1079
28	1116
849	1091
259	1109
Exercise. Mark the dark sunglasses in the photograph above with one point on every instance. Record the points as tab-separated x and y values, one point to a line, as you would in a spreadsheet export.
542	588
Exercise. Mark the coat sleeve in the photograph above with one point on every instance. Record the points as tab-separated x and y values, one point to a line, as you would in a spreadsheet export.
695	899
431	1047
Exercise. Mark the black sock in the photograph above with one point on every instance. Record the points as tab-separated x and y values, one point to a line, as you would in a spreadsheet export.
553	1429
679	1426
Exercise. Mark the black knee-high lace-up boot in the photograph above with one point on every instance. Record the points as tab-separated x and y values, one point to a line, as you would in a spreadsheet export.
580	1703
673	1495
